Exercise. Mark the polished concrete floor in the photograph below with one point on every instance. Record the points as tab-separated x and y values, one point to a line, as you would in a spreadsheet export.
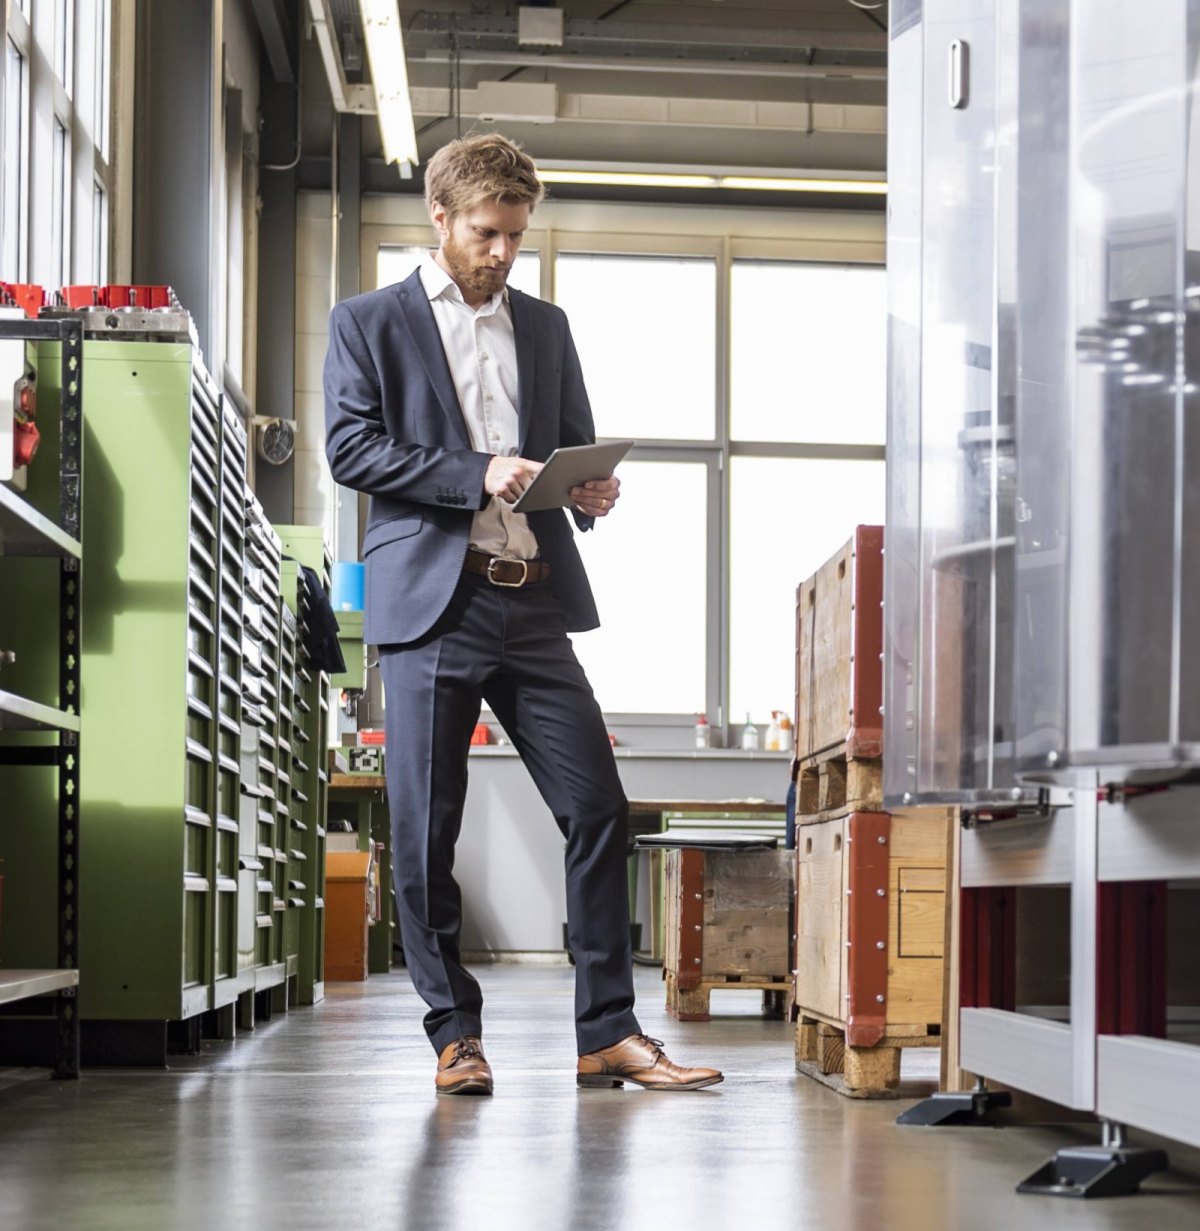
327	1118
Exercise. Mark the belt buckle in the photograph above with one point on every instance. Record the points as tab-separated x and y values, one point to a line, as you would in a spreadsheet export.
509	585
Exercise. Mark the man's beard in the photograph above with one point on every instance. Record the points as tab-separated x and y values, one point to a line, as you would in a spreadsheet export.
482	279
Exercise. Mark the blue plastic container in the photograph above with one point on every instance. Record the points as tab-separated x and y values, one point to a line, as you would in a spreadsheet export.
348	579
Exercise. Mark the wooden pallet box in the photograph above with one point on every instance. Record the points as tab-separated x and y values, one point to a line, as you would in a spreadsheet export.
870	927
839	642
728	923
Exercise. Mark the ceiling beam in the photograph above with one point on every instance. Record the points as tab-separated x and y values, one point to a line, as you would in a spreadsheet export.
637	64
802	117
277	27
631	40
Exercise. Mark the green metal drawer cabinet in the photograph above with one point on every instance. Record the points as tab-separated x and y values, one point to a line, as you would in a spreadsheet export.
161	682
305	546
204	780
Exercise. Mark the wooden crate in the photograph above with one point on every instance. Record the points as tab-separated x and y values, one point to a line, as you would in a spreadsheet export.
839	642
870	939
728	925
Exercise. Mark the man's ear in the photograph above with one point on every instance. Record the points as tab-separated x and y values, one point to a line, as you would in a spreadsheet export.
440	219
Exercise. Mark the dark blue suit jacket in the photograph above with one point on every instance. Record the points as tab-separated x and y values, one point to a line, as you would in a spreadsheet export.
394	429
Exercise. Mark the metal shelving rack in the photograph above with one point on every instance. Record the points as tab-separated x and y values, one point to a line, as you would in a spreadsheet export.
25	532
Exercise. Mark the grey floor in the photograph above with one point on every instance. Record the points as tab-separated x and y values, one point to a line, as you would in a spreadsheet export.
327	1118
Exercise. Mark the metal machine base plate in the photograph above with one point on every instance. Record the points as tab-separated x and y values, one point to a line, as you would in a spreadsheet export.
1094	1171
956	1108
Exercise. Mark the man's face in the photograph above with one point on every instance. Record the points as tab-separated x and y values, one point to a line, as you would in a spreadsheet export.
480	245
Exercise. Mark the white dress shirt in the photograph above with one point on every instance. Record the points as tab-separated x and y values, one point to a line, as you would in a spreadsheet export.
482	354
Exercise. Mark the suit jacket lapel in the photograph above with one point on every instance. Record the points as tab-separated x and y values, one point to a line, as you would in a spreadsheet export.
526	364
418	315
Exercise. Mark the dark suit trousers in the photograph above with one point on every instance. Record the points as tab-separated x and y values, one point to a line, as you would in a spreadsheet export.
508	647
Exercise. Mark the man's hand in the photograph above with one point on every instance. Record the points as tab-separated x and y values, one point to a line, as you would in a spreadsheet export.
508	477
597	496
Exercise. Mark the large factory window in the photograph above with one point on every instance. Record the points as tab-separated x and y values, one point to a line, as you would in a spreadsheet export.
751	375
57	183
60	233
15	172
99	233
812	505
64	44
807	409
646	312
808	352
102	80
648	569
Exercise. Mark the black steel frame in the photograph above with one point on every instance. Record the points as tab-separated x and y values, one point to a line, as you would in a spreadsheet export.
66	755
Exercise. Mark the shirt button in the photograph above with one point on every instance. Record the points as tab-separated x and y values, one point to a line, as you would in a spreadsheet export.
483	355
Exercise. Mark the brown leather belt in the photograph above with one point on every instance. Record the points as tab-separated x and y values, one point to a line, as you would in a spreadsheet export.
512	574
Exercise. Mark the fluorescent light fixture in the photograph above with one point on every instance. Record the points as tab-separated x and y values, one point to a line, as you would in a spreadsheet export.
630	178
626	179
389	77
775	183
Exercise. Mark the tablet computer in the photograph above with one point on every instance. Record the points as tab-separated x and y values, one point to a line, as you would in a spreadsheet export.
568	468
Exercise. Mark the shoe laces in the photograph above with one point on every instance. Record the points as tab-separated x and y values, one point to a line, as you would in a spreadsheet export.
466	1049
656	1044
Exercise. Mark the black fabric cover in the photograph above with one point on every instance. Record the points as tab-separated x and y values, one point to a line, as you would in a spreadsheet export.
321	642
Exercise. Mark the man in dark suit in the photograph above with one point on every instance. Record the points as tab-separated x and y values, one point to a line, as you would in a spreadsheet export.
444	394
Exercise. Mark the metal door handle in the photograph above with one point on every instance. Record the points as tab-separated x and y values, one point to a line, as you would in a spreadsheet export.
959	71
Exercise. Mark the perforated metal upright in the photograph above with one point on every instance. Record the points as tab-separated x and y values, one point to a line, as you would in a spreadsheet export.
40	722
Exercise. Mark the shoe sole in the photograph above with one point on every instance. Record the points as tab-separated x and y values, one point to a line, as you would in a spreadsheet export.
604	1081
472	1085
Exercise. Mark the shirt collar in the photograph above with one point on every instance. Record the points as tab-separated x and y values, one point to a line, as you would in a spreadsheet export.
438	284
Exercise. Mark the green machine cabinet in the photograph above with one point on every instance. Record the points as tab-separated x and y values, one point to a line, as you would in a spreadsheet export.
306	546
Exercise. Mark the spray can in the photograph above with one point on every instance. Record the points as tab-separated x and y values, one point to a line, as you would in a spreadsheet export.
702	731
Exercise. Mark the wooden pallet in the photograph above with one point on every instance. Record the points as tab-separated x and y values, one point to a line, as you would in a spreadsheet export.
833	782
859	1072
692	1004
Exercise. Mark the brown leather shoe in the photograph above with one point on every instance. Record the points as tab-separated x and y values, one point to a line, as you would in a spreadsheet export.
640	1059
462	1069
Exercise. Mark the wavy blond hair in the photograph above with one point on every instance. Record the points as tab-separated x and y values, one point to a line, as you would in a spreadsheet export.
488	167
